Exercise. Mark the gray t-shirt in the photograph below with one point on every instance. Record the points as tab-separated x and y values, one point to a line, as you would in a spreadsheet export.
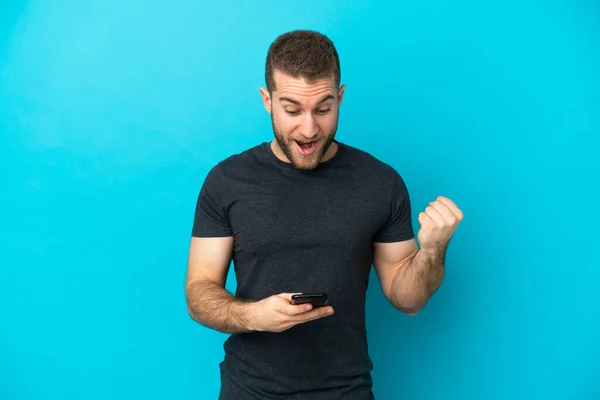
303	231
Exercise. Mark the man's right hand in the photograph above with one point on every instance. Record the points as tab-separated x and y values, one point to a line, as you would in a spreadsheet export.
277	314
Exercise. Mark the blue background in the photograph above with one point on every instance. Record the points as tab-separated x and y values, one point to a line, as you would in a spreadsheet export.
112	113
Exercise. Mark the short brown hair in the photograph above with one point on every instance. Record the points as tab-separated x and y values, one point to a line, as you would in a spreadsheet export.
302	53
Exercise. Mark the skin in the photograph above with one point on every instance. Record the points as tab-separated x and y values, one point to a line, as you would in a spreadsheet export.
303	112
308	111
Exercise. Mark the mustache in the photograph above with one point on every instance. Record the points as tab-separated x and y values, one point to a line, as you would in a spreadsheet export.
306	141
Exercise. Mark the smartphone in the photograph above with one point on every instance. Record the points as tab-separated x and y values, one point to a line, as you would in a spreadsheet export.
316	299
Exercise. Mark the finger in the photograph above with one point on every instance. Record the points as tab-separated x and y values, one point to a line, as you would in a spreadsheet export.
293	309
287	296
434	215
444	211
452	206
317	313
425	219
284	306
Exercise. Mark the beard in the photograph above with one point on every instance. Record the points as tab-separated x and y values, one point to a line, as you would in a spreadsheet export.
300	161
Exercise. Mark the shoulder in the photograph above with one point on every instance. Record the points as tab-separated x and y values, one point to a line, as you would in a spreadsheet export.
240	162
369	166
232	175
381	179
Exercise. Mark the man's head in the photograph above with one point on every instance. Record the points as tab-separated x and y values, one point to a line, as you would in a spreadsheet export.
303	96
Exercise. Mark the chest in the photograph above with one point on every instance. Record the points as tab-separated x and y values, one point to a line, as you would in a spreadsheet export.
323	215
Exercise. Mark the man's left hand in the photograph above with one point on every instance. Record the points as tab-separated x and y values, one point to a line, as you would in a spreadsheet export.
438	223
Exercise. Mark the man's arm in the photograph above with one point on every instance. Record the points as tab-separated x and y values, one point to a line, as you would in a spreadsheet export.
214	307
208	302
410	276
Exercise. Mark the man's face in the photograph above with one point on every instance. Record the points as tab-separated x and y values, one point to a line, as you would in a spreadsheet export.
304	118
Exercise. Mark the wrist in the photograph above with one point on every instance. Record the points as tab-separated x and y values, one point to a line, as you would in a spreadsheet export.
434	255
244	311
251	310
435	250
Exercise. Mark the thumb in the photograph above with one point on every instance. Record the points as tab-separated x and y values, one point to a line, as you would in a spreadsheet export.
287	296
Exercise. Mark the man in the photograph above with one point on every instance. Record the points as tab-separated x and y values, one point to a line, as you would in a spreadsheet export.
306	213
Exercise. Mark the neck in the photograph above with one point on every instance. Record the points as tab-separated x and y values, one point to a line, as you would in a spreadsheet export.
331	152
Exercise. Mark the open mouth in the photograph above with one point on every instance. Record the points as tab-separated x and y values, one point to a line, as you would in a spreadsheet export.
306	148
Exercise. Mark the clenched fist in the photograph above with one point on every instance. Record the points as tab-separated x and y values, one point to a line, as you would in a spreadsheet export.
438	223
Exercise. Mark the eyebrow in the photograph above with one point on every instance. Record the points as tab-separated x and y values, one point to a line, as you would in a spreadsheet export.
328	97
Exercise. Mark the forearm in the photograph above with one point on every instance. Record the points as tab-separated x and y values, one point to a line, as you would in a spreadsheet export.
213	306
415	283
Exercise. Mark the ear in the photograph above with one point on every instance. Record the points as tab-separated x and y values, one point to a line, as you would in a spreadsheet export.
341	94
266	99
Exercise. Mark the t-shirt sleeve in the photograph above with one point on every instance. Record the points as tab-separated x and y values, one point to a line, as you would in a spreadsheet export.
211	219
398	227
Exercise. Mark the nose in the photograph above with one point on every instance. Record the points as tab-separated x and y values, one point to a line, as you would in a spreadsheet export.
309	126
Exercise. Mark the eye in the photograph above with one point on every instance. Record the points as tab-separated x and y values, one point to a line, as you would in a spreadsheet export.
323	112
292	112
